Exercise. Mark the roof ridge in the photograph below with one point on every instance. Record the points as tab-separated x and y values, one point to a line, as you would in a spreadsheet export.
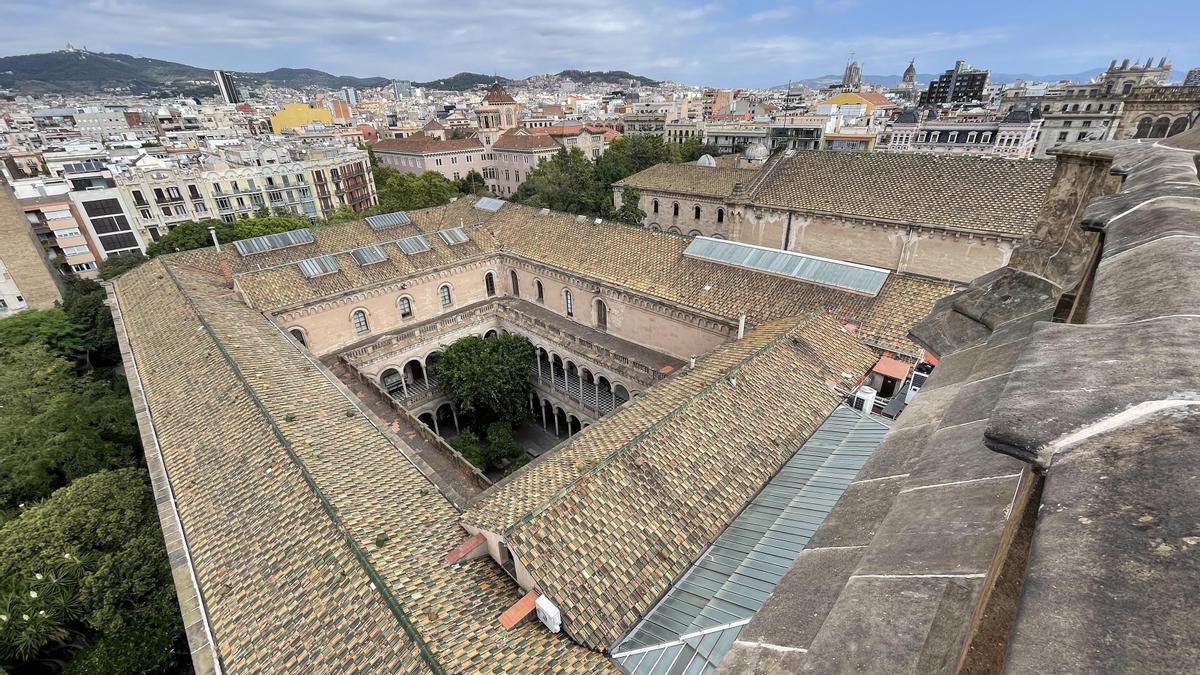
671	414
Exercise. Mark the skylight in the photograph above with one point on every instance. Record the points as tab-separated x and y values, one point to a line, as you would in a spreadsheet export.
388	220
369	255
319	266
837	273
489	204
454	235
273	242
413	244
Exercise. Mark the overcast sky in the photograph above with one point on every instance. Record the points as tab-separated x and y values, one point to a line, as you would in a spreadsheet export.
755	43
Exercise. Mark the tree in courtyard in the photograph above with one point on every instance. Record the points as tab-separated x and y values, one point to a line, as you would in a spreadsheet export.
118	264
472	184
408	192
489	378
193	235
83	303
565	182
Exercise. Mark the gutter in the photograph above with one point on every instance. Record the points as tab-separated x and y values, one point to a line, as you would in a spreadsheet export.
205	657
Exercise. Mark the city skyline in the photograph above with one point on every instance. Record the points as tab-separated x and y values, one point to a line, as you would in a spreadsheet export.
756	44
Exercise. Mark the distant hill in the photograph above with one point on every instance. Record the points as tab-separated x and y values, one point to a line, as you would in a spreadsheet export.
74	71
462	82
302	78
605	77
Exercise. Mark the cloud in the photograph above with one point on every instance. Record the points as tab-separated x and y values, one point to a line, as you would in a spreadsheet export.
771	15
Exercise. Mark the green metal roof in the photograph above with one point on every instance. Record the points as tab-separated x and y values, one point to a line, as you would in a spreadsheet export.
695	623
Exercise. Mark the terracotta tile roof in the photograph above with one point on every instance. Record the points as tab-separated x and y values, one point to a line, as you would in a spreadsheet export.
711	181
521	140
876	99
420	144
283	488
432	125
496	94
972	193
607	522
634	258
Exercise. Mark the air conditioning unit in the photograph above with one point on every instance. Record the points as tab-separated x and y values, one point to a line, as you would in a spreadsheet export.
864	399
548	614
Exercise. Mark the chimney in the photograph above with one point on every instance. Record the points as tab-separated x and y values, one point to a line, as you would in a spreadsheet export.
222	259
1112	64
691	362
741	325
1125	64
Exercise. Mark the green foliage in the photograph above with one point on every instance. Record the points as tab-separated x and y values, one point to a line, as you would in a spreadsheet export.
407	192
48	328
489	378
495	451
342	214
56	427
151	641
116	265
472	184
630	213
83	303
566	182
572	183
193	235
90	557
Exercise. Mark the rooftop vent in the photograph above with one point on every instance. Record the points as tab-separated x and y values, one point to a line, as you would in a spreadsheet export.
579	220
273	242
489	204
544	212
389	220
369	255
414	244
318	267
454	235
598	221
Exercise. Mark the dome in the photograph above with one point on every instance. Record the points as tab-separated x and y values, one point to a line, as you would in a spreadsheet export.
706	160
756	151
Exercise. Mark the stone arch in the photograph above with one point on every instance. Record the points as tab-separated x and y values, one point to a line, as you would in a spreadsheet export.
717	236
514	283
489	284
360	320
426	418
446	294
445	413
693	233
1178	126
541	290
601	313
298	333
673	230
560	422
655	227
1143	127
390	379
620	395
1161	125
573	425
491	333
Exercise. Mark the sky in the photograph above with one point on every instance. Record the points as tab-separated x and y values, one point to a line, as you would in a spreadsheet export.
752	44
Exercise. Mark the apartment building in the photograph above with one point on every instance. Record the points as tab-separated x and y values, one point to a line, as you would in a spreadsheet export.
58	226
515	154
1014	136
26	277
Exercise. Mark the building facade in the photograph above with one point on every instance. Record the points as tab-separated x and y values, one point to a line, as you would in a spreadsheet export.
960	84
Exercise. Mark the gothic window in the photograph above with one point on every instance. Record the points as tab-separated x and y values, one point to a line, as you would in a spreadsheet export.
654	205
541	292
675	209
406	308
568	303
720	215
489	283
696	212
359	319
445	296
516	284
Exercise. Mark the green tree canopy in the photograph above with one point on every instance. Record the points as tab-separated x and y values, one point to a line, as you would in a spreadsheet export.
630	213
400	191
120	263
193	235
91	556
48	328
56	427
565	182
472	184
83	303
489	378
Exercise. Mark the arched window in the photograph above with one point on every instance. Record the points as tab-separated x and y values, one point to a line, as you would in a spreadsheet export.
1143	128
696	212
298	334
1160	128
675	209
693	233
516	283
1127	89
720	215
1178	127
444	295
654	205
568	305
489	284
404	304
359	319
601	315
541	292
